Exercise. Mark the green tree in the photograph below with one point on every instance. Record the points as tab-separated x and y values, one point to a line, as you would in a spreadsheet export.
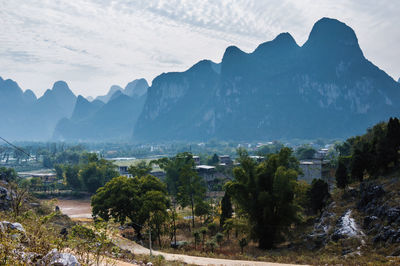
219	237
97	172
173	166
265	192
360	161
59	171
203	231
141	199
376	152
183	181
265	150
118	199
212	228
242	243
196	235
318	195
226	209
305	152
202	209
211	244
140	169
8	174
393	142
72	176
191	190
214	160
301	194
342	177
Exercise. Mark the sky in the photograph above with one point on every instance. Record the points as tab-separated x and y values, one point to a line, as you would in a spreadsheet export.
93	44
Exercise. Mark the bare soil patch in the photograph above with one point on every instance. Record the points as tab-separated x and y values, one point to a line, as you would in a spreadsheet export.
76	208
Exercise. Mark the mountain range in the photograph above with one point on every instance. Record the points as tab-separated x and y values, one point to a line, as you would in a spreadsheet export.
60	115
325	88
24	117
135	88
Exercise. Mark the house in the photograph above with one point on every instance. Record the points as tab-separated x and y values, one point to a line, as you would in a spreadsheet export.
311	170
317	169
123	171
212	178
321	154
225	160
258	159
46	178
196	160
206	171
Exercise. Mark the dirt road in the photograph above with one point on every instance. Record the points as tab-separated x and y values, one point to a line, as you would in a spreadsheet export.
138	249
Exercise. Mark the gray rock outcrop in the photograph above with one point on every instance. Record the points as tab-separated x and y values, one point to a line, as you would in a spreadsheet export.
5	199
346	227
60	259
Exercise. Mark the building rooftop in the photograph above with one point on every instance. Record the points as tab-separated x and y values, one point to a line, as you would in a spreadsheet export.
207	167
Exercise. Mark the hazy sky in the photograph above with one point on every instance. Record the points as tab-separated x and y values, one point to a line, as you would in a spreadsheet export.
93	44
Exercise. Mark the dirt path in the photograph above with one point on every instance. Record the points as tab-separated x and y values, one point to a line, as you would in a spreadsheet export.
138	249
75	208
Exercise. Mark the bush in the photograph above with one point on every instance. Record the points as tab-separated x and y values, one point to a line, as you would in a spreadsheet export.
212	228
211	244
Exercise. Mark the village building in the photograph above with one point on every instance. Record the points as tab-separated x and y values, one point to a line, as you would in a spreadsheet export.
196	160
316	169
225	160
123	171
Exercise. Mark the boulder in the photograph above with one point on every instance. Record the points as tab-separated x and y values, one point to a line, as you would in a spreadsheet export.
28	257
5	225
5	199
60	259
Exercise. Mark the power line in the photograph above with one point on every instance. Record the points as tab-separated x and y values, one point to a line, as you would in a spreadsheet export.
15	147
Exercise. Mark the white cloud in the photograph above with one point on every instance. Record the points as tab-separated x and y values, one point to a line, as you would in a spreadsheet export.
93	44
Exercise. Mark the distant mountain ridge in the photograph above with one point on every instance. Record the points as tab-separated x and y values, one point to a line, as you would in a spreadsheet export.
323	89
98	121
107	118
138	87
60	115
24	117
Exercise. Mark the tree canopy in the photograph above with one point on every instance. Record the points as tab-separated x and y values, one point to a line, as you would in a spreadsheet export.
374	153
182	180
7	174
265	192
135	198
